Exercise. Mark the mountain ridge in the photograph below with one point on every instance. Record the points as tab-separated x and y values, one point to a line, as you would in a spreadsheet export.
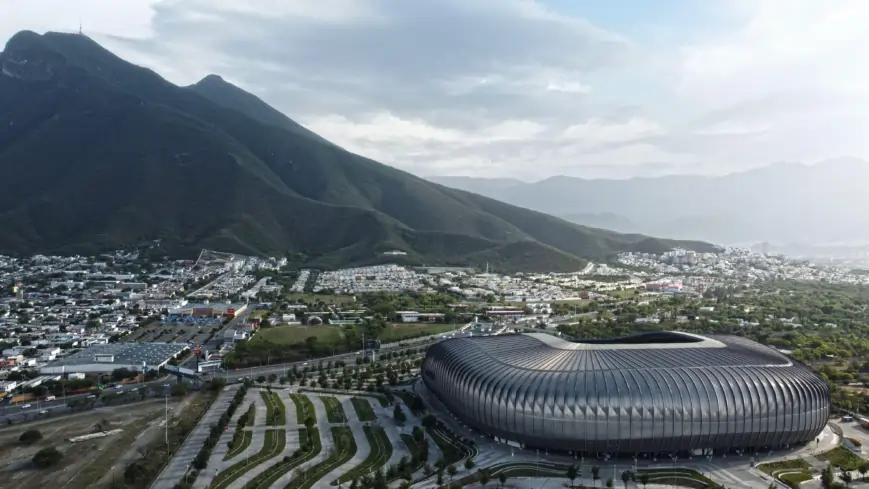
100	153
783	202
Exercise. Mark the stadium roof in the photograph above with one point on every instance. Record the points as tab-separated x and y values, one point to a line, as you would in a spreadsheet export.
543	352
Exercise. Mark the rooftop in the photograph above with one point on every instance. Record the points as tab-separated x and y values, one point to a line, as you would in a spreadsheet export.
124	354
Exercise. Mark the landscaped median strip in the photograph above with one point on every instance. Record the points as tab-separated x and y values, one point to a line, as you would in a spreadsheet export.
274	409
334	411
243	439
363	409
310	448
381	451
304	408
275	441
344	447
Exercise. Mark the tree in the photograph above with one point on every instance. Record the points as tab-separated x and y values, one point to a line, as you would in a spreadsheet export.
572	472
609	483
398	414
644	479
469	464
261	379
485	477
846	477
47	457
429	421
451	470
595	474
863	468
30	436
273	378
626	477
502	478
827	478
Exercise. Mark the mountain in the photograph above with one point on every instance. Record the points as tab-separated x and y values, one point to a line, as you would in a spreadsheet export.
98	153
781	203
216	89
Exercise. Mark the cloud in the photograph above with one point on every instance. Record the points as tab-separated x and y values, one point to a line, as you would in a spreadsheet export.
515	87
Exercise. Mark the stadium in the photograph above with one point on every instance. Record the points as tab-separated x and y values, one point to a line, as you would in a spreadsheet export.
662	392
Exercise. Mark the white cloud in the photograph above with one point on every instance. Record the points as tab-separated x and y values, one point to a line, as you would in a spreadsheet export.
512	87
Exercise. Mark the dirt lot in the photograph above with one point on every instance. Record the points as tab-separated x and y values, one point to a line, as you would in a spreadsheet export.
84	463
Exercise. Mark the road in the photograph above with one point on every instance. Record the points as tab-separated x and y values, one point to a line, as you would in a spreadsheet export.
238	375
21	412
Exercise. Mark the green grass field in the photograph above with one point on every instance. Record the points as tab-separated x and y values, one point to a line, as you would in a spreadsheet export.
400	331
291	334
841	457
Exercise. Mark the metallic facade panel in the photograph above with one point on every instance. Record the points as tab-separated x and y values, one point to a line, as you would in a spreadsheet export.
665	392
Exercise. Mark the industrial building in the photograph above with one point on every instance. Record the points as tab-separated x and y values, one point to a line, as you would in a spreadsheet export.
662	392
108	357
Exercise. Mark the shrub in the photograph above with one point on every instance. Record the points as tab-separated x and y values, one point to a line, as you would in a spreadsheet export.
30	436
47	457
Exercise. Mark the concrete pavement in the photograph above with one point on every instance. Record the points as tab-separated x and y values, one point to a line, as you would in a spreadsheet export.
291	443
363	448
183	458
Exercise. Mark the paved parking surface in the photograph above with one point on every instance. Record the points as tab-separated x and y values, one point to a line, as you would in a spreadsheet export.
183	458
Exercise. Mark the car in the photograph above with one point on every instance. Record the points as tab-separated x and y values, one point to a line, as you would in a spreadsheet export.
134	389
92	396
167	385
43	412
119	386
26	406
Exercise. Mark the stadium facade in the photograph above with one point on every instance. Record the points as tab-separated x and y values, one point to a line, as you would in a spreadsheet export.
649	393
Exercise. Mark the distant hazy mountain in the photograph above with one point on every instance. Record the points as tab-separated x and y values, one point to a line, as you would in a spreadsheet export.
98	154
785	202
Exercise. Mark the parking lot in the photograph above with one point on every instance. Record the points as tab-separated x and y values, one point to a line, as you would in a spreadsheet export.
178	329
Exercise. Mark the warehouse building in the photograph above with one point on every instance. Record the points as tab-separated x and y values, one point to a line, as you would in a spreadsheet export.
108	357
663	392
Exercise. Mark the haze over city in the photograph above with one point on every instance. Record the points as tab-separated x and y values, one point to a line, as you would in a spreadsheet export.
515	88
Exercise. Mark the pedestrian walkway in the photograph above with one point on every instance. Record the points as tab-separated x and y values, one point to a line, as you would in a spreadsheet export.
326	442
290	431
183	458
363	449
259	436
393	431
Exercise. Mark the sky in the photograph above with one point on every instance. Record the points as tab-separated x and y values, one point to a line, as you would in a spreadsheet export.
518	88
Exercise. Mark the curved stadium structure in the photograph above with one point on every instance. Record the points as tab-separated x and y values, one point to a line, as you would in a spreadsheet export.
647	393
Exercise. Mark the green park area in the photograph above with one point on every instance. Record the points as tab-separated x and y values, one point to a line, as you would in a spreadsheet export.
295	334
400	331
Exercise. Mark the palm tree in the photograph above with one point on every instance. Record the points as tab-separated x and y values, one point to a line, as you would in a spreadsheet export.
572	473
595	474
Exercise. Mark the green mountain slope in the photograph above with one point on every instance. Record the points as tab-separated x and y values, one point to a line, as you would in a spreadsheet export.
98	153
